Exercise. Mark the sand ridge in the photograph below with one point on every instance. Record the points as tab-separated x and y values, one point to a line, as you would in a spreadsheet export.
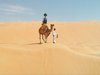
76	51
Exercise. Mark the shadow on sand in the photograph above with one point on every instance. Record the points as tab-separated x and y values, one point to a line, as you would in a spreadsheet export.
34	44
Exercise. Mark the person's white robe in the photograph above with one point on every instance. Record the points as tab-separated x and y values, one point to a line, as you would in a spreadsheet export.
54	36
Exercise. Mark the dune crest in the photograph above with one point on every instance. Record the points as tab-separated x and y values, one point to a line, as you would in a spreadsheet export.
76	51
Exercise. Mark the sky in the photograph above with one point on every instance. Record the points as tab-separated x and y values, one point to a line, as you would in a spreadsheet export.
57	10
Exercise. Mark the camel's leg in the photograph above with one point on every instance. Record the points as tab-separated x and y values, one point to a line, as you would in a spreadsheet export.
46	37
43	38
40	38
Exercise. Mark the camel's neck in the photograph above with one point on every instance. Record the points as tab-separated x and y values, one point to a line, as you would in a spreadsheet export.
49	31
51	28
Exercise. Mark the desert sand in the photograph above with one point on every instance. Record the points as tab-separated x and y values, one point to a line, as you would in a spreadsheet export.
77	51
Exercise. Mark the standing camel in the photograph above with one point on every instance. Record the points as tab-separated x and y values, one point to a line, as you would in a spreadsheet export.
45	31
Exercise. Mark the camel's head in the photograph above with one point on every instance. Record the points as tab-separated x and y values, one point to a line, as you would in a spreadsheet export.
52	25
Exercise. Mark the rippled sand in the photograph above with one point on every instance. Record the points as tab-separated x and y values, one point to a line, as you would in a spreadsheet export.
76	52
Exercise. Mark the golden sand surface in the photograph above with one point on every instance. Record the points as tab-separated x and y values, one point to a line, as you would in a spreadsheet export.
77	51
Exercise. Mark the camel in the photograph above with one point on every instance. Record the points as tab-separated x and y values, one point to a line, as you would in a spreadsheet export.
45	31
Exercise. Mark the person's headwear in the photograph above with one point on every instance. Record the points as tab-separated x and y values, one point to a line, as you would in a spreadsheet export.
45	14
54	28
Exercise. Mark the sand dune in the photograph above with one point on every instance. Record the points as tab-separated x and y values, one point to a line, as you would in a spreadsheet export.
76	52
